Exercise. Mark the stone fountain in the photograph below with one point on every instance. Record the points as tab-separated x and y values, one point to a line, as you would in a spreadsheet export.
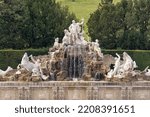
75	59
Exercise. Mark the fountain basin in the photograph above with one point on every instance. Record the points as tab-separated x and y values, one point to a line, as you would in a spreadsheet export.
75	90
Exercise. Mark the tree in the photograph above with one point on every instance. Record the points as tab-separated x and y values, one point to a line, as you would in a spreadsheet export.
103	24
142	13
32	23
10	24
123	25
46	21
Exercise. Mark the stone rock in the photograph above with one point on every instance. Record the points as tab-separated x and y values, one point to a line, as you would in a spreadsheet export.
35	78
10	75
108	60
24	76
86	77
60	76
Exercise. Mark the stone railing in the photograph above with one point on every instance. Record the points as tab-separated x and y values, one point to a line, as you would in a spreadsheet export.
74	90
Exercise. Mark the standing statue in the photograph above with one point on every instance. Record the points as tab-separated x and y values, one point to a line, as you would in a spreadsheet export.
75	30
117	64
97	48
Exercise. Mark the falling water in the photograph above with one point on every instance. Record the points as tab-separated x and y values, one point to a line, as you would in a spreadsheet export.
75	62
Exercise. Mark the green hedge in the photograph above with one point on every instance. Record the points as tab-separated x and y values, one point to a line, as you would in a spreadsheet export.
142	57
13	57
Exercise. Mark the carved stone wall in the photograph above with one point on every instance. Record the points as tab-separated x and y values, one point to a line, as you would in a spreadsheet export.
74	91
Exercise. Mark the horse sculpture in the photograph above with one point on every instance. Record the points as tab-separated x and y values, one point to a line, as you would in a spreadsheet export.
34	67
2	73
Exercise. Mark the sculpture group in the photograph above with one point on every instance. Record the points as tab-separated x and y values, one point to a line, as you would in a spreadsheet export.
75	59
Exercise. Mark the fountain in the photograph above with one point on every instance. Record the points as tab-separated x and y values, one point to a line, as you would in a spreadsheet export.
75	59
84	72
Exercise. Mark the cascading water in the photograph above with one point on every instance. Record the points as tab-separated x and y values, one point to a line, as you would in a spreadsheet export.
75	62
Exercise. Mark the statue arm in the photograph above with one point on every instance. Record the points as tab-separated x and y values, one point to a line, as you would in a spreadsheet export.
70	27
118	55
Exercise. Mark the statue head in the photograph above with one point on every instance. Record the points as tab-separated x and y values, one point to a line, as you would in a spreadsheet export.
65	31
57	39
97	41
73	21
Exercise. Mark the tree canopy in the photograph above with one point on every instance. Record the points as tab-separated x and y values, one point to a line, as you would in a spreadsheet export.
32	23
123	25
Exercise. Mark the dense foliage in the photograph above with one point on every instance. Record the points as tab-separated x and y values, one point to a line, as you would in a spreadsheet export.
31	23
125	24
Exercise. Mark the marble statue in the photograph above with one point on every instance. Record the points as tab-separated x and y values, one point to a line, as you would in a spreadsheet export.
128	64
66	39
34	66
148	72
97	48
56	44
117	64
27	64
2	73
110	74
38	72
75	30
123	68
114	71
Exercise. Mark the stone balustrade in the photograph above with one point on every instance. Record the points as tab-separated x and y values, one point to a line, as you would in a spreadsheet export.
74	90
